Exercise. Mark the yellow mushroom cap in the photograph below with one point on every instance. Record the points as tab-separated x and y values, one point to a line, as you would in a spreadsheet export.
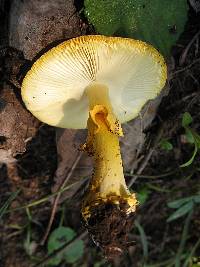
54	89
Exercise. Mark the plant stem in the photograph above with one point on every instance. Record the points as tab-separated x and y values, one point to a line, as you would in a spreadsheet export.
183	239
44	199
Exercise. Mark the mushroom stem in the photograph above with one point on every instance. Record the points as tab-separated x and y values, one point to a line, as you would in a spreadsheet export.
108	186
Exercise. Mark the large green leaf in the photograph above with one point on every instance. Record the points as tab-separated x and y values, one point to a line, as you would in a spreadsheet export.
59	237
154	21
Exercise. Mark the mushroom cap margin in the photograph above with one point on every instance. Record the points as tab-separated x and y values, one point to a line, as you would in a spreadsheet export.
53	89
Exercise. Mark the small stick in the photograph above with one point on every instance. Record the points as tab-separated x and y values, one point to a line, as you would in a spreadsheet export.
146	158
185	51
141	168
56	201
186	68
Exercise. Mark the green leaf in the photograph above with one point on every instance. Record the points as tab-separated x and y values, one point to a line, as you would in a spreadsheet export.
75	252
29	247
181	211
189	162
142	195
59	237
187	119
166	145
7	203
159	23
178	203
196	138
197	199
189	135
143	239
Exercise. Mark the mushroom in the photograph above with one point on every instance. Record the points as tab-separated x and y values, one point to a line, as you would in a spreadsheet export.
98	82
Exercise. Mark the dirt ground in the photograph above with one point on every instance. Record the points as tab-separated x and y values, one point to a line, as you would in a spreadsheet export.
36	161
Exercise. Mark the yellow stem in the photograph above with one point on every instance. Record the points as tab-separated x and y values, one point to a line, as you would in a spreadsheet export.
108	183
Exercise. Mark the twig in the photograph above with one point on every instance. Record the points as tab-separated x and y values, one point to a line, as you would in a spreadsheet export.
146	158
183	99
60	250
142	166
152	176
185	52
44	199
186	68
56	201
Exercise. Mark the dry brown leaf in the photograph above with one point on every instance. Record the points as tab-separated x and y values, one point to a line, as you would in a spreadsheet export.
68	144
6	157
134	138
34	24
17	125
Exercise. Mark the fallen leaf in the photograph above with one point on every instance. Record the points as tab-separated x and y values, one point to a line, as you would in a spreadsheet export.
35	24
17	124
68	144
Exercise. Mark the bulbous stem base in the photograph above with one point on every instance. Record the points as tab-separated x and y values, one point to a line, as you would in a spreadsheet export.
108	205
